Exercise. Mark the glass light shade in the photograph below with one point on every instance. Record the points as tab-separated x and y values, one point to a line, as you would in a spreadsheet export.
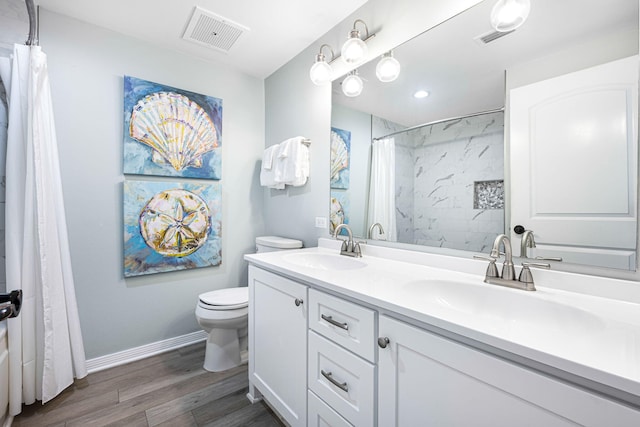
352	85
388	69
354	50
320	73
507	15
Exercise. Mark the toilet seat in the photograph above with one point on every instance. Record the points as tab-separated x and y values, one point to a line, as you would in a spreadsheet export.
225	299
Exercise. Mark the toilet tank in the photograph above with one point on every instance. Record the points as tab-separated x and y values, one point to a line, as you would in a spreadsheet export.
275	243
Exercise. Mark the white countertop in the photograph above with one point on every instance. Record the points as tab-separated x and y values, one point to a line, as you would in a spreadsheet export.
588	336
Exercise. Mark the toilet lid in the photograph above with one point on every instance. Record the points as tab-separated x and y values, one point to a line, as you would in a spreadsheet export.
226	299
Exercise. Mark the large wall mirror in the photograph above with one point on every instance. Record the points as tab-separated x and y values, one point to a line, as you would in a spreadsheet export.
534	128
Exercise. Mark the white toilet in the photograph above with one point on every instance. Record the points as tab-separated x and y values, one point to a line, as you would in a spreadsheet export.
223	314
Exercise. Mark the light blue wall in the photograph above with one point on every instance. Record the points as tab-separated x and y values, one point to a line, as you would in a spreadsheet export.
86	65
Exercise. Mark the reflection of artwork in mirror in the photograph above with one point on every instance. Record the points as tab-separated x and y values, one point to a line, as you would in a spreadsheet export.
339	210
340	149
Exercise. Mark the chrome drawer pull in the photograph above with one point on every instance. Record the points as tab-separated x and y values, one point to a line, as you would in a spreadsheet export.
298	302
334	323
341	386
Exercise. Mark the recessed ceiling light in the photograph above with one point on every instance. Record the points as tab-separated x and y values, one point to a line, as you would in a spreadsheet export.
421	94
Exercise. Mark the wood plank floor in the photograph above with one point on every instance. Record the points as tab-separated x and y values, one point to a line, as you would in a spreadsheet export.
170	389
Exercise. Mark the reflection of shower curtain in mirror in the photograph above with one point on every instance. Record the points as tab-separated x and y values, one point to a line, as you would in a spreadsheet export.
382	191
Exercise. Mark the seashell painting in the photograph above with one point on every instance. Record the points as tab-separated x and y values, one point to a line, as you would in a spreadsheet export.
171	226
170	131
340	158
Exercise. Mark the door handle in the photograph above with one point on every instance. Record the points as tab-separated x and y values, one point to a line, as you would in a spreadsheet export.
10	304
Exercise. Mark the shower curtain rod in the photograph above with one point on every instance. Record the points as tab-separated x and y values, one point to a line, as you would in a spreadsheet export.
33	24
435	122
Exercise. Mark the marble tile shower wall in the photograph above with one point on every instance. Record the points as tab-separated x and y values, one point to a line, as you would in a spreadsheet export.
436	168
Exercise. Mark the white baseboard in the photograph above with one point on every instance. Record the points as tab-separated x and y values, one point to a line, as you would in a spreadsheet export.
131	355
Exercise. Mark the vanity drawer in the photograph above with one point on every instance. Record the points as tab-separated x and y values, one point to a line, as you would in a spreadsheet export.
350	325
320	414
343	380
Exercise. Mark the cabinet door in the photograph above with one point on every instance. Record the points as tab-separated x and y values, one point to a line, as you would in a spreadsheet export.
278	343
425	379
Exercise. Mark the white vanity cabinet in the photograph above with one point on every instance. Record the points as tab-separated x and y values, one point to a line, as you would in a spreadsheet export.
427	379
321	359
278	343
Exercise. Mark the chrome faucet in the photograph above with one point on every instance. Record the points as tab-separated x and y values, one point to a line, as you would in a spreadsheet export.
526	242
373	227
508	273
525	280
348	247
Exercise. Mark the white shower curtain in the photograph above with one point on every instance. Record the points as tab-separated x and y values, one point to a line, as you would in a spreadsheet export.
382	191
45	344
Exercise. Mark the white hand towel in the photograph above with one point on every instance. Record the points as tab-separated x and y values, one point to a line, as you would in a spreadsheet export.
267	156
267	172
292	164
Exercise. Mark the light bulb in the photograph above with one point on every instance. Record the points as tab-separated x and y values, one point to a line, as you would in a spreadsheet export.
507	15
352	85
388	69
320	72
353	50
421	94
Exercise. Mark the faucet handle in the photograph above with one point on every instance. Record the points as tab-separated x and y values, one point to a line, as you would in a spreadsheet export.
356	250
492	269
536	264
552	258
484	257
525	274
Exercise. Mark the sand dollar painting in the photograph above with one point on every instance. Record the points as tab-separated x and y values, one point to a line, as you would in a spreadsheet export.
170	226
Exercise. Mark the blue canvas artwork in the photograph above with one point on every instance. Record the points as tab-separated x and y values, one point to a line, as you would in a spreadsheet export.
170	131
339	211
340	158
171	226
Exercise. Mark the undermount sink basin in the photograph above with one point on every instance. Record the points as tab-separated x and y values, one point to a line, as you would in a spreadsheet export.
324	261
507	310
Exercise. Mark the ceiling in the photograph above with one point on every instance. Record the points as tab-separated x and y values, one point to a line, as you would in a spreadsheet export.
464	76
278	29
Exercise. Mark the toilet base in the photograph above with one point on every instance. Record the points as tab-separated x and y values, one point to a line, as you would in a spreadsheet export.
223	350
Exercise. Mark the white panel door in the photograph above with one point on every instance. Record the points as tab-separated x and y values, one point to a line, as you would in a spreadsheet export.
278	343
573	144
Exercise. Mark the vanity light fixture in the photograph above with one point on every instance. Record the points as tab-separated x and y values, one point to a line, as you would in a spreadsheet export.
507	15
421	94
352	85
388	69
320	72
354	50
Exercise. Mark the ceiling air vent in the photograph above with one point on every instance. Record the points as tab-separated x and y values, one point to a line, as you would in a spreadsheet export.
212	30
491	37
